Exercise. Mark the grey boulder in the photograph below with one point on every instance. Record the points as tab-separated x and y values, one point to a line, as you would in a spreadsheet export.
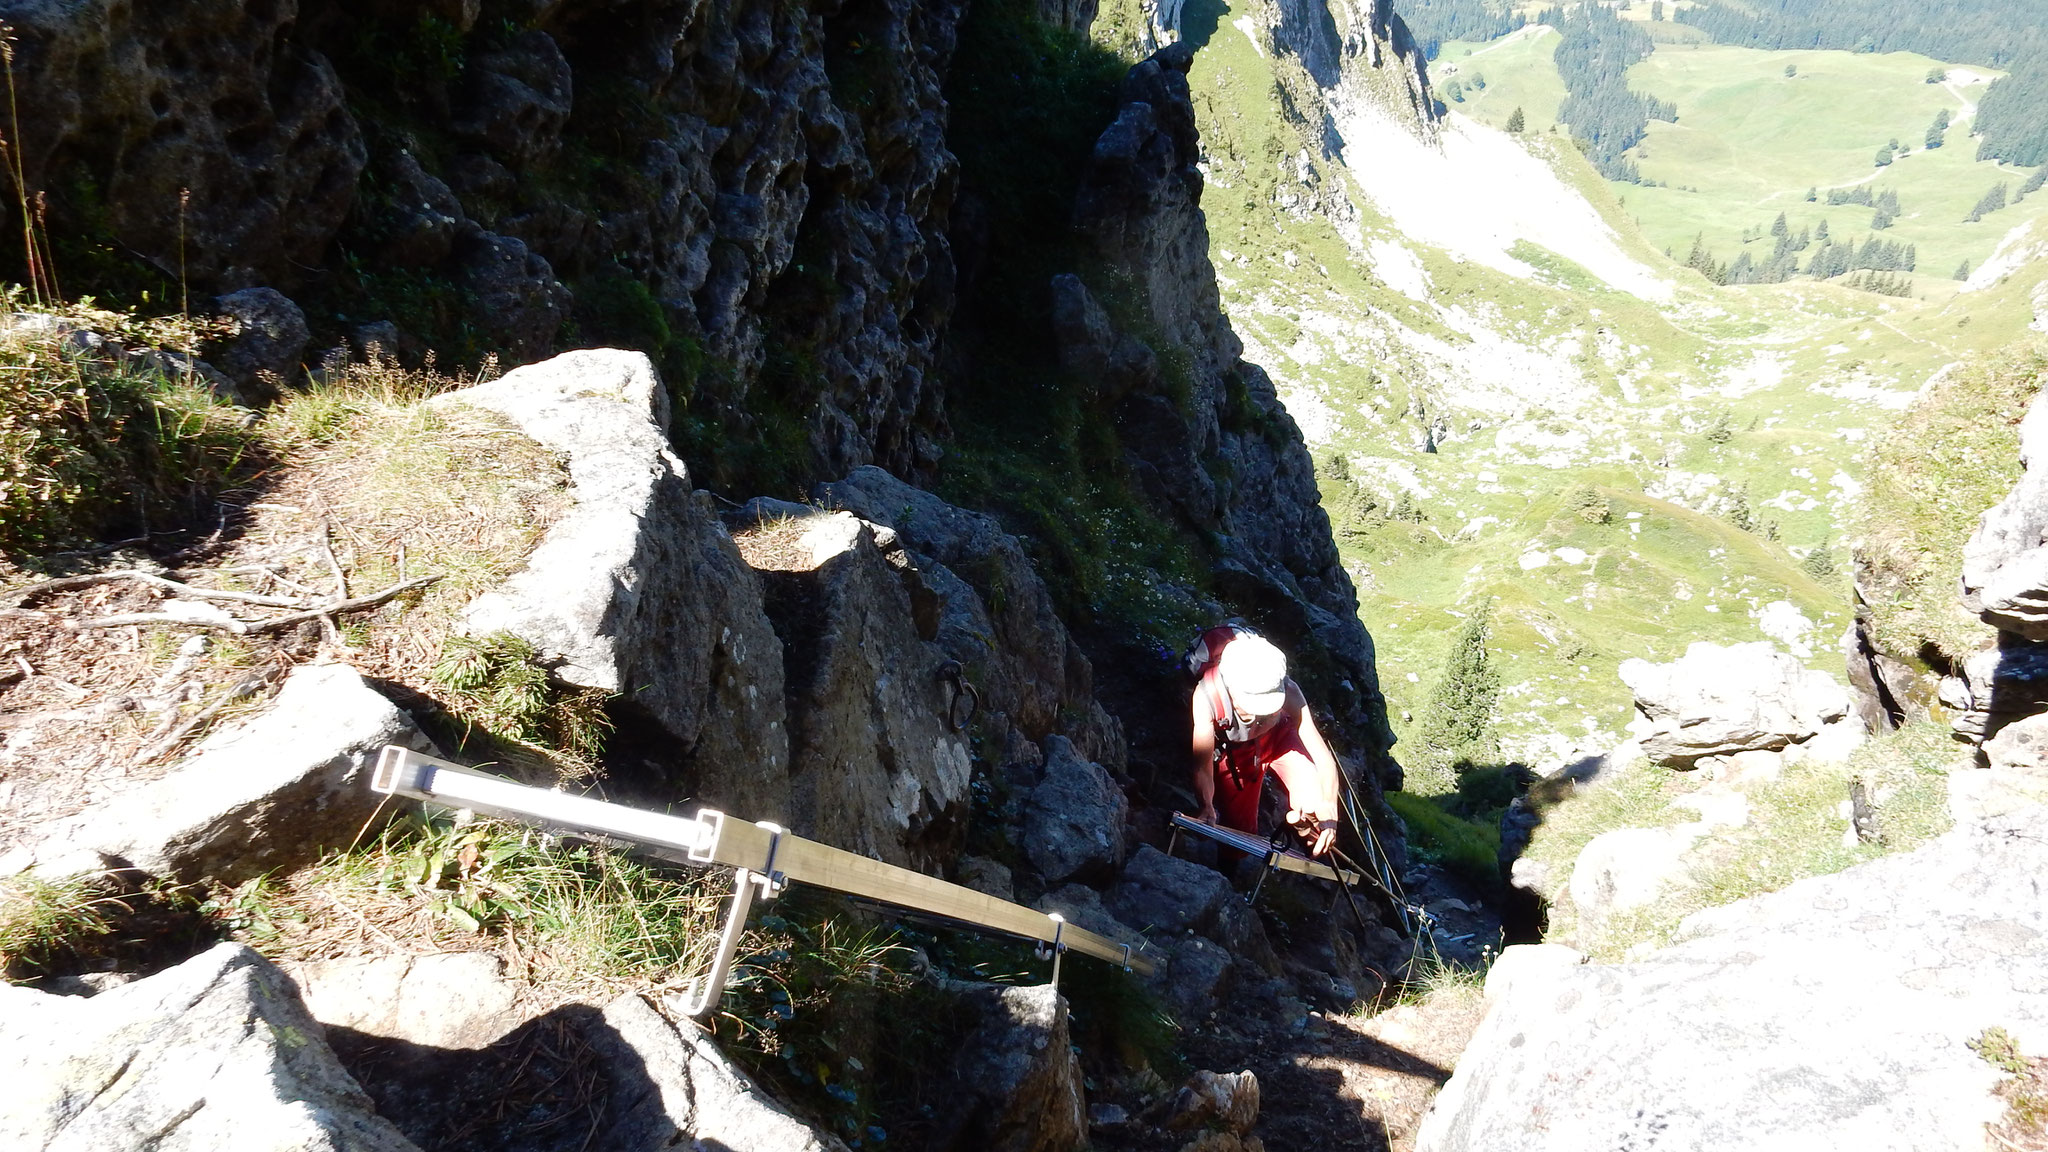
1017	1081
270	793
269	338
638	590
1832	1015
1074	821
214	1053
1718	700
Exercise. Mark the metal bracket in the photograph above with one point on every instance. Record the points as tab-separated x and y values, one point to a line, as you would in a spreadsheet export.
1058	947
1272	862
703	994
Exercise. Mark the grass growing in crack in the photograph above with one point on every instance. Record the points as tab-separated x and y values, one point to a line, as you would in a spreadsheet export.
496	683
41	918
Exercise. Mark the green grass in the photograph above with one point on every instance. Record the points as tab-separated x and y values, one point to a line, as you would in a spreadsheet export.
1470	848
92	444
1954	454
1518	71
1795	830
1750	141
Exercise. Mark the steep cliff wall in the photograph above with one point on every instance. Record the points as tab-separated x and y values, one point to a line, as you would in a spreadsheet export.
767	199
757	191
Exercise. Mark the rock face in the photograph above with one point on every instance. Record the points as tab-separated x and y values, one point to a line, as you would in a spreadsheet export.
1716	701
214	1053
217	141
763	177
1210	443
698	1098
876	765
1018	1082
639	591
997	617
2005	563
1074	821
270	793
1834	1014
1999	695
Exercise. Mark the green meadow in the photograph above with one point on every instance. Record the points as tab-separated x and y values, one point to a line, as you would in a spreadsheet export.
1751	141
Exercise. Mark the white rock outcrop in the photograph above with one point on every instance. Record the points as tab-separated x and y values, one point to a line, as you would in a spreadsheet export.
215	1053
1832	1016
1719	700
638	590
271	792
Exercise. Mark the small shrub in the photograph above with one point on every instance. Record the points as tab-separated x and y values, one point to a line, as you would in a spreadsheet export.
1998	1049
1588	504
499	685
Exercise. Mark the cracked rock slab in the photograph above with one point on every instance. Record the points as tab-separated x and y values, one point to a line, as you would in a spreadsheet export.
1832	1015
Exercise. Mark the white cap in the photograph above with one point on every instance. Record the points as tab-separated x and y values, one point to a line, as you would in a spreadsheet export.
1256	674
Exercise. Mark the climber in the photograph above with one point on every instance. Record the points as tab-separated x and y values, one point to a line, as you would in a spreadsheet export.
1248	718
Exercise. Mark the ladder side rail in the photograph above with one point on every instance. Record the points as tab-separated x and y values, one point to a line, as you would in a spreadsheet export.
713	838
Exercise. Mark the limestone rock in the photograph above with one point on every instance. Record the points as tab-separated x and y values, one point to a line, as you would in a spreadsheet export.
875	765
513	296
516	99
2005	563
985	875
1074	821
998	618
270	336
638	590
1229	1100
214	1053
1833	1014
218	145
444	1000
424	217
269	793
1627	868
1138	210
1017	1082
672	1087
1998	686
1168	894
1718	700
1193	978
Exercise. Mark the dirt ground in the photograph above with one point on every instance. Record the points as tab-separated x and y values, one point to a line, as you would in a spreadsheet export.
1335	1083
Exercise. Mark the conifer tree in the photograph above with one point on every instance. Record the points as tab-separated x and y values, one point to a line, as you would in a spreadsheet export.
1516	122
1458	727
1962	271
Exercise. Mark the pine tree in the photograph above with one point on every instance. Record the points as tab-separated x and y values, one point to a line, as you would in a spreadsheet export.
1516	122
1780	228
1812	194
1962	271
1457	729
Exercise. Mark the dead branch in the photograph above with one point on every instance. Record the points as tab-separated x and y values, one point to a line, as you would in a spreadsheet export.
69	583
246	686
356	605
